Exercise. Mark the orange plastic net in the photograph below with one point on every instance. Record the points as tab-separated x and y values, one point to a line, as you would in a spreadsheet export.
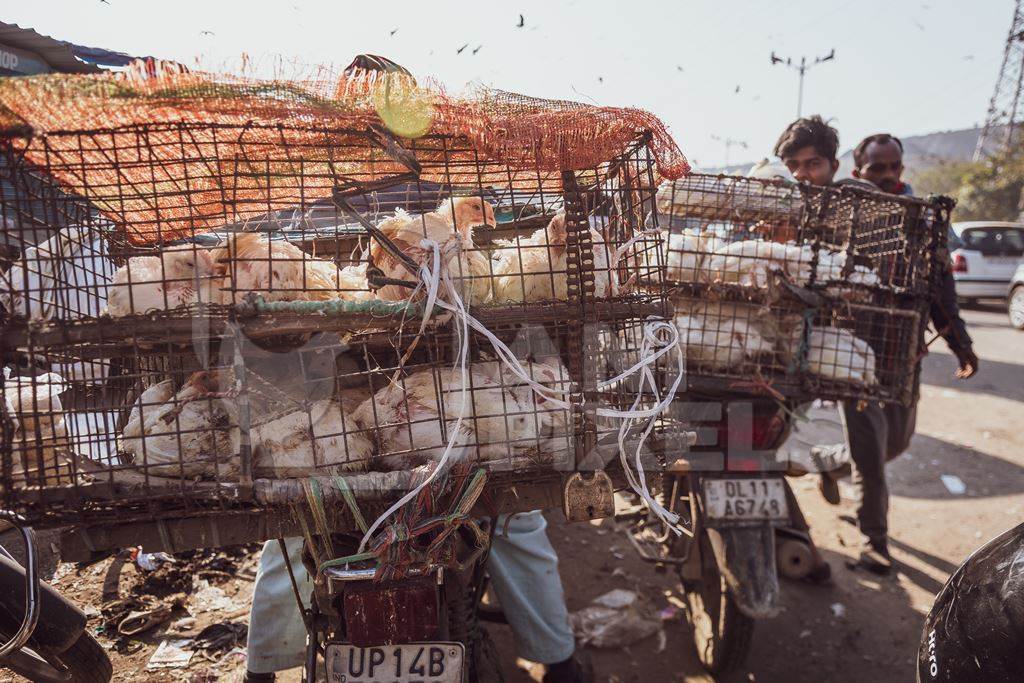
167	153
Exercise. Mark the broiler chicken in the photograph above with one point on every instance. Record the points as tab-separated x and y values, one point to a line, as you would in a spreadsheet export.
551	421
184	433
451	227
179	276
414	419
535	268
686	252
722	335
750	262
40	432
278	271
835	353
321	438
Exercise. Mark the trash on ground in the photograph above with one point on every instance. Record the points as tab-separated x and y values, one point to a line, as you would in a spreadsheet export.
173	653
222	636
838	609
613	620
150	561
211	599
954	484
670	613
142	620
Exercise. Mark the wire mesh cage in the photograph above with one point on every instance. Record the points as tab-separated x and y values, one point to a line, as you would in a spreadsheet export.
230	309
799	290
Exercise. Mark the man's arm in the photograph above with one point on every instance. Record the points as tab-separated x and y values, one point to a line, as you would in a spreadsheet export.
945	314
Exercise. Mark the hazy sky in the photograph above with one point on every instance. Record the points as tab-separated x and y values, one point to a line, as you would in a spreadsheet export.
902	66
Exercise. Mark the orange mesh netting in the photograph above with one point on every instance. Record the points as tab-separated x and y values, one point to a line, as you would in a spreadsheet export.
167	153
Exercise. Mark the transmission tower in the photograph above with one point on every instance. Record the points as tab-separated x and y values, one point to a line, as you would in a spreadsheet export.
1000	130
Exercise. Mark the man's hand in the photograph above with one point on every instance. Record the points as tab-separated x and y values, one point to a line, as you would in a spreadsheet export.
968	363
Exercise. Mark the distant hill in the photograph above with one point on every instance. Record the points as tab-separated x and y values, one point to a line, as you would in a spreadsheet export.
920	151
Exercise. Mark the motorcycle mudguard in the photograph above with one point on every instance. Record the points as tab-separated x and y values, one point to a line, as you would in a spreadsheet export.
746	558
60	622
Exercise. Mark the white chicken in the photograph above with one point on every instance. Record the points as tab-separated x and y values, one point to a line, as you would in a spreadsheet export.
179	276
40	432
551	421
535	268
277	270
835	353
686	252
414	418
829	269
321	438
451	227
750	262
184	433
64	277
722	335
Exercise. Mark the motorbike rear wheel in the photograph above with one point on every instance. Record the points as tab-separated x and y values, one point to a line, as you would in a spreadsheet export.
721	633
84	662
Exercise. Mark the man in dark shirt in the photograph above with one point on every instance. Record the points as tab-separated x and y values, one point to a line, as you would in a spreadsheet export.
878	433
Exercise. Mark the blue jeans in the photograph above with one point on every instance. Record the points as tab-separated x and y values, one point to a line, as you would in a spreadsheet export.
524	573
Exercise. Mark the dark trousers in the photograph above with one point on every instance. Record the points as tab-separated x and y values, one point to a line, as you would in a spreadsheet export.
875	436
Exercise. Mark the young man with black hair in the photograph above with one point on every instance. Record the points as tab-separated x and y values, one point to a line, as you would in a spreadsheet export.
808	148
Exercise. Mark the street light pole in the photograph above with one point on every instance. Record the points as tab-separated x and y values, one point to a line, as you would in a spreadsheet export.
801	69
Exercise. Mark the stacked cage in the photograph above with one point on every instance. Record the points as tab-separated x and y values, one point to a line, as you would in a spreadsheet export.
263	310
800	291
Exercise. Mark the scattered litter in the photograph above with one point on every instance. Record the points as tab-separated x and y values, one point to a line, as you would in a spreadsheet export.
150	561
616	599
838	609
211	599
662	641
173	653
183	625
619	572
139	621
806	633
977	534
613	620
221	636
954	484
618	556
670	613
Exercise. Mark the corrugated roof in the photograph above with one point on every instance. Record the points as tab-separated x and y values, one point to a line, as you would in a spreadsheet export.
57	54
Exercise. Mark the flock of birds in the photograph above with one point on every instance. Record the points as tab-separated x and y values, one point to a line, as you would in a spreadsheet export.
525	269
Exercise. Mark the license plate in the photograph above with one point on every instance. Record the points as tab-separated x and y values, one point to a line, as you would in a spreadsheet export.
745	499
410	663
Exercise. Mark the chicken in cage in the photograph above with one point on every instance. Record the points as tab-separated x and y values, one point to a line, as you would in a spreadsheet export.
291	294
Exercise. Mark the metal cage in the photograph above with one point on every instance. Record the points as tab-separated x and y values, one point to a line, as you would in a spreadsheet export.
811	292
173	350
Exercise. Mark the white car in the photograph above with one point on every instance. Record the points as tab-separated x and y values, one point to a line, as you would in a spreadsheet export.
985	255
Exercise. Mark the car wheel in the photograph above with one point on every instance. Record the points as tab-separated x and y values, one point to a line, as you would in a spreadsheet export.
1015	307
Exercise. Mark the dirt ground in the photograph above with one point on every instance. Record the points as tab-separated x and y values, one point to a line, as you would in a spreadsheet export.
863	627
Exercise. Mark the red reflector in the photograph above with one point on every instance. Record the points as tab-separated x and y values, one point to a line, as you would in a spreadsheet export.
391	613
959	263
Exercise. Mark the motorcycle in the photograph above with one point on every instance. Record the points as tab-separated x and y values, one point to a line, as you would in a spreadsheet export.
741	526
422	626
43	634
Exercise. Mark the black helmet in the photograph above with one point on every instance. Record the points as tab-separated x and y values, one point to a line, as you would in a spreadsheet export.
975	630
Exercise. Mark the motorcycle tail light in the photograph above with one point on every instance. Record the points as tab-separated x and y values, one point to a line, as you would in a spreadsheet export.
391	612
